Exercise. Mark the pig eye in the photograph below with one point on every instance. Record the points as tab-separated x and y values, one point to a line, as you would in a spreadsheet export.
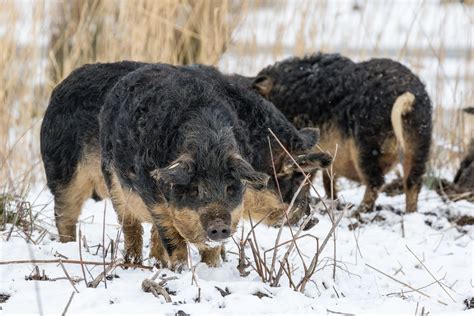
194	191
231	190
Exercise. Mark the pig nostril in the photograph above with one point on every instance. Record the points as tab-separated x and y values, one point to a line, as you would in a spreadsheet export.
218	232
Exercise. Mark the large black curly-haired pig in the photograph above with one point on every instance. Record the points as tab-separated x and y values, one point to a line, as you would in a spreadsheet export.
184	148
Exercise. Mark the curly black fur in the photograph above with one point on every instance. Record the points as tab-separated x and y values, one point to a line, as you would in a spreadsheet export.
464	177
164	112
159	113
358	96
71	121
331	91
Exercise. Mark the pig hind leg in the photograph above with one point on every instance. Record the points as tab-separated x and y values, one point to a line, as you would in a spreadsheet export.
131	226
371	174
69	198
414	164
68	202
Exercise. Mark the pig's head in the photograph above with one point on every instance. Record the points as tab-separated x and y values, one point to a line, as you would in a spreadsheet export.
291	171
205	186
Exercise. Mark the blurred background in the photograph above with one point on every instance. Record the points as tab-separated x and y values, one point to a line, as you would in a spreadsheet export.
42	41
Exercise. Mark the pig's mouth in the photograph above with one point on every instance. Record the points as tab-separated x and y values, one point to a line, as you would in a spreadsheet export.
214	244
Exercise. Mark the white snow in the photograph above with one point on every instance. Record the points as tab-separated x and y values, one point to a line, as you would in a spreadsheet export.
356	288
380	28
435	40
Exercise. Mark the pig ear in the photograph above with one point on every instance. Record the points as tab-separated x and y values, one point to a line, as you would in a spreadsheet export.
244	171
308	162
263	84
469	110
178	172
310	137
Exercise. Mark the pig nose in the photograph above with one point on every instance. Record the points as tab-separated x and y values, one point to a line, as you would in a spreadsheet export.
217	231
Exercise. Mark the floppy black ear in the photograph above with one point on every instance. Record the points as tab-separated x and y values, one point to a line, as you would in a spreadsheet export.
314	161
308	162
178	172
263	84
245	172
311	136
469	110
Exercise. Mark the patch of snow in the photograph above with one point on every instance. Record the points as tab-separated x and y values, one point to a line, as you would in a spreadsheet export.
357	288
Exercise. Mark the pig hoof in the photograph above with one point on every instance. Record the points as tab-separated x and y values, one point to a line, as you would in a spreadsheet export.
133	258
311	223
178	267
364	208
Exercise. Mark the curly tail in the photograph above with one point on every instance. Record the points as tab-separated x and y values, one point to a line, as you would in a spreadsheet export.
403	105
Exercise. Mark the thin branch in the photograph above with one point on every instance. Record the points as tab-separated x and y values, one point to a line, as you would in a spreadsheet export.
80	255
155	289
403	283
68	303
314	262
431	274
124	265
102	275
67	275
103	248
299	167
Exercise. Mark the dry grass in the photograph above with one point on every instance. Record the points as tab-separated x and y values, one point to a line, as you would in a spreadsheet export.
176	32
450	90
62	35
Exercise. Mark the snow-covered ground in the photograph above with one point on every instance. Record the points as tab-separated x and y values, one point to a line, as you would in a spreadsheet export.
357	288
438	40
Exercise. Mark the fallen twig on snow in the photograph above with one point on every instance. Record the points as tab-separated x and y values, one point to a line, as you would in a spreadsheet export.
150	286
403	283
97	263
431	274
68	303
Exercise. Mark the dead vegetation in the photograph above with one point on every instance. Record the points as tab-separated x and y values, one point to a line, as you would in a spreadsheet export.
177	32
62	35
273	264
4	297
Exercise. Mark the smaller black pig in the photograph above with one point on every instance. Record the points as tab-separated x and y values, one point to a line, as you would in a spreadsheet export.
464	177
374	111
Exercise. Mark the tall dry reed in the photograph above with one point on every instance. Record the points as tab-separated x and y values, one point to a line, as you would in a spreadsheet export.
43	41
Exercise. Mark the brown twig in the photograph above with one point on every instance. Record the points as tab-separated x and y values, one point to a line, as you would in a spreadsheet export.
314	262
68	303
405	292
124	265
298	166
294	237
403	283
339	313
431	274
331	212
79	241
288	274
103	249
102	275
15	219
150	286
67	275
274	169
